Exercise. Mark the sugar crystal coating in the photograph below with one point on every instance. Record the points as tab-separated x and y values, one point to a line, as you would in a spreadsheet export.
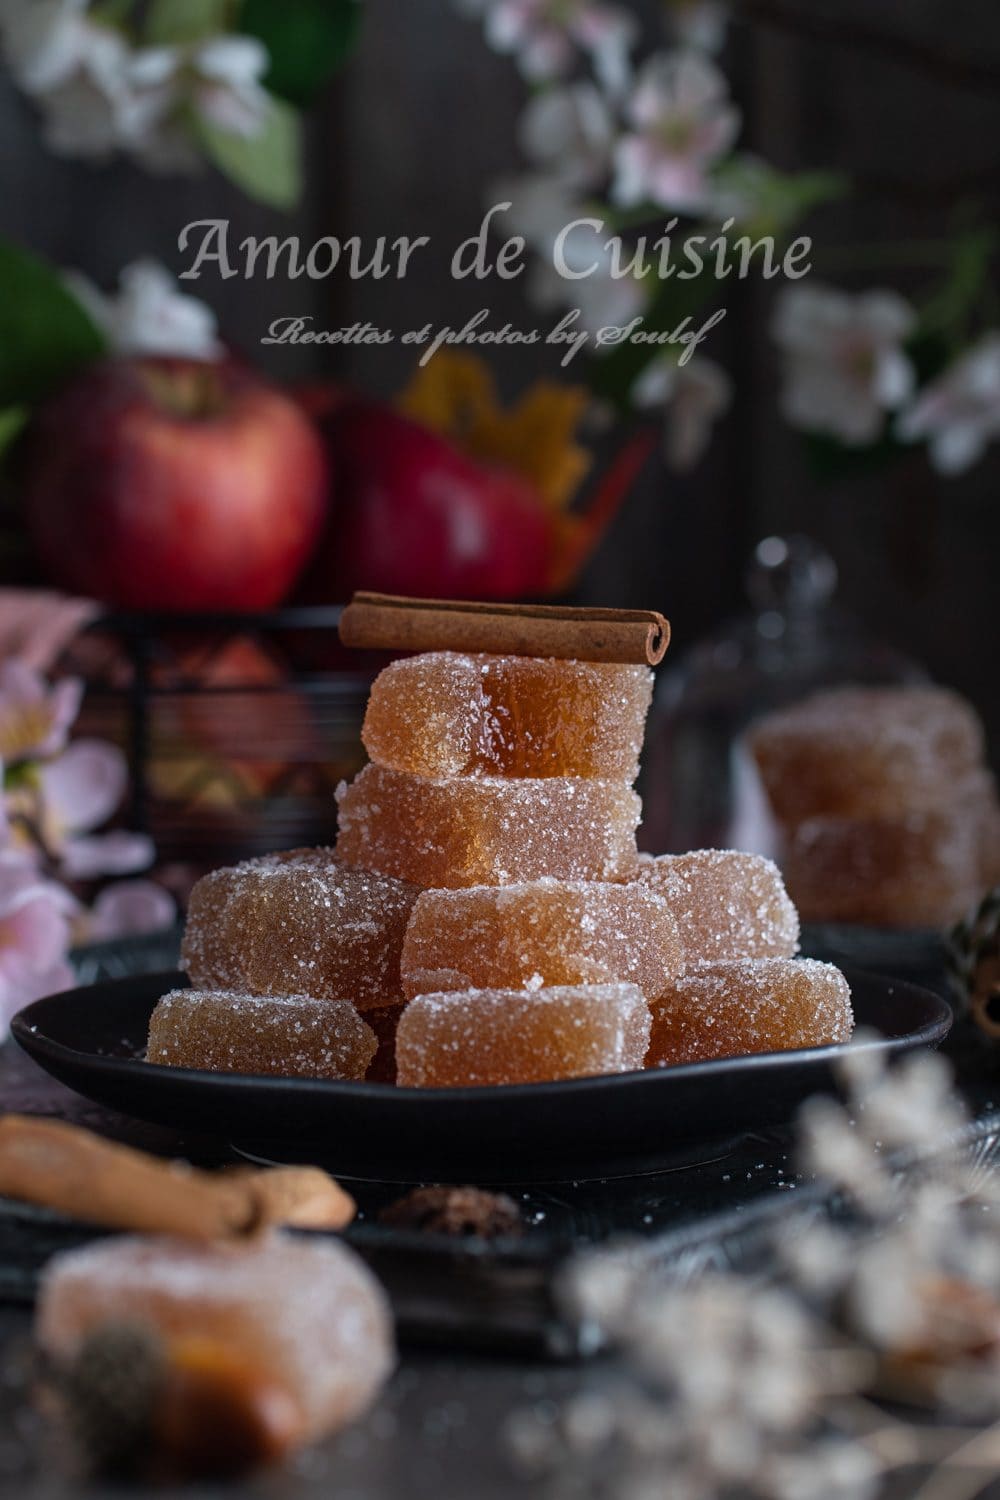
307	1314
487	831
538	934
298	923
293	1036
743	1006
923	869
477	1037
859	752
449	714
728	904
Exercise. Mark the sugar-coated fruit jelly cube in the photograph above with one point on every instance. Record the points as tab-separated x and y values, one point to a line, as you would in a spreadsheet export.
922	870
293	1036
475	1037
750	1005
448	714
538	934
488	831
298	923
865	752
304	1313
728	904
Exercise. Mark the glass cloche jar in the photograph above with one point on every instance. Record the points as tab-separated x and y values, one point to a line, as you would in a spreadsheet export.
700	788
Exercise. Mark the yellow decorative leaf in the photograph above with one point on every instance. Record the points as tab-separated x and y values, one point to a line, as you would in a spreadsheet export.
455	395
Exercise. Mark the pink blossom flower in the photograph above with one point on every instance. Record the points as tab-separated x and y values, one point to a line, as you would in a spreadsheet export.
36	625
845	366
35	928
34	717
544	35
129	908
683	121
959	413
78	793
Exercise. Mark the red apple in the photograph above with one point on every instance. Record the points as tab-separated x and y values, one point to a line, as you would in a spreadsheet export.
416	516
174	484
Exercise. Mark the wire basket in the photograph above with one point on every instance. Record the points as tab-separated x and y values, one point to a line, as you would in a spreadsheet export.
237	728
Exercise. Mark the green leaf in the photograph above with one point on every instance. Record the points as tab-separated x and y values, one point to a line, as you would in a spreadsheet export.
268	165
173	22
767	201
113	13
12	421
307	41
45	335
613	375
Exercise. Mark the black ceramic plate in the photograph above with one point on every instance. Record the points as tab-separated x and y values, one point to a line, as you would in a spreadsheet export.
581	1128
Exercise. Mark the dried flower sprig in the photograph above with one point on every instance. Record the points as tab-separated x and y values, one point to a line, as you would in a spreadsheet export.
771	1382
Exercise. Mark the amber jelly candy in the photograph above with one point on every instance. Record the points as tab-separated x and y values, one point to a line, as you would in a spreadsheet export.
752	1005
540	933
728	904
298	924
475	1037
305	1314
861	752
489	831
447	714
921	870
293	1036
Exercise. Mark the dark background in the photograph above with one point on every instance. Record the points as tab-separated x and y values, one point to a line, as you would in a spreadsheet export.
904	95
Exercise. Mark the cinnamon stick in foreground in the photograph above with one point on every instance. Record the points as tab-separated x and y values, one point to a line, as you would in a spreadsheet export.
390	622
80	1174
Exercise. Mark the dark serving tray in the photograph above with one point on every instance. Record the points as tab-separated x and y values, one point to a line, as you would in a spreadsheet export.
586	1128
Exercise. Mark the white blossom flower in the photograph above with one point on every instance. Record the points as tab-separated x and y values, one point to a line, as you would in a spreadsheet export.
569	131
46	41
700	24
99	95
694	396
227	90
150	315
683	121
541	203
604	299
544	36
543	206
97	109
959	412
845	366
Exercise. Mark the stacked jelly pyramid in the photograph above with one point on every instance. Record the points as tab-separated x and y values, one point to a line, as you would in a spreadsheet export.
485	916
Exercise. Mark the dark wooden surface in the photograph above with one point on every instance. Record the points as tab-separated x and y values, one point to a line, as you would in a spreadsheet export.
438	1431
